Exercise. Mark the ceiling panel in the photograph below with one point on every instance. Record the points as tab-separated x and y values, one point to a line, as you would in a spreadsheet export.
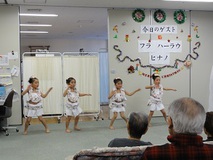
71	12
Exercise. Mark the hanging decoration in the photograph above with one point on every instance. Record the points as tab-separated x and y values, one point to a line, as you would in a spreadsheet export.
115	36
136	68
188	64
115	28
176	65
159	16
131	69
179	16
194	57
160	37
157	71
192	24
127	38
189	39
138	15
196	30
123	24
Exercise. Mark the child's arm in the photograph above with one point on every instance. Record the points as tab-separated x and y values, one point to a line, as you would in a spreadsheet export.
111	94
130	94
65	92
26	90
84	94
148	87
45	95
169	89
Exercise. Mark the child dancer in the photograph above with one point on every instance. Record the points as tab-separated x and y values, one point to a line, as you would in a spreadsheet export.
155	100
72	105
35	103
118	99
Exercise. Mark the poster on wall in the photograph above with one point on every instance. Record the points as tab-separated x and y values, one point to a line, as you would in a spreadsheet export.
159	46
159	58
13	55
4	61
158	29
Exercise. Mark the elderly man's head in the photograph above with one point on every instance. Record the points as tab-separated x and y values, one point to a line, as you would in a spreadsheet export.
137	124
186	115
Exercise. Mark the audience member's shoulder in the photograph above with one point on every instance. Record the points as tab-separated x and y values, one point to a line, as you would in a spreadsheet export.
158	146
115	141
125	142
208	142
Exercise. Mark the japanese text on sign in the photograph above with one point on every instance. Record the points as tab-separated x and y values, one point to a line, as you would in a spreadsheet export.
158	29
159	46
159	58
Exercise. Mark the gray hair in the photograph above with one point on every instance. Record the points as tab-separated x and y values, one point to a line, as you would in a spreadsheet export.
188	116
138	123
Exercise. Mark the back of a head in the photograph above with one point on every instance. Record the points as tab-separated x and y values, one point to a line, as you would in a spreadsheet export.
188	116
137	124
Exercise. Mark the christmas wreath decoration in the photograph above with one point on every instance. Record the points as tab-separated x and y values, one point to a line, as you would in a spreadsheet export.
159	16
138	15
179	16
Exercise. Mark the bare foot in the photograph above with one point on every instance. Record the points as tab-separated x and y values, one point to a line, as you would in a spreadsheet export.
47	130
150	125
25	133
111	127
68	131
77	129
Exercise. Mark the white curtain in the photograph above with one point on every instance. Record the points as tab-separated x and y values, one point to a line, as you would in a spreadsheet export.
104	77
85	69
49	72
211	92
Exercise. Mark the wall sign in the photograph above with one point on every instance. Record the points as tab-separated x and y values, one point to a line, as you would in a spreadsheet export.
158	29
159	58
159	46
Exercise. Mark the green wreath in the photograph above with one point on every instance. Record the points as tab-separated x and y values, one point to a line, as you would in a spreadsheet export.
179	16
138	15
159	16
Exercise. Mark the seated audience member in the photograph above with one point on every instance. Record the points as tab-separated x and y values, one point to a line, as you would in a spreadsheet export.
186	120
137	125
208	126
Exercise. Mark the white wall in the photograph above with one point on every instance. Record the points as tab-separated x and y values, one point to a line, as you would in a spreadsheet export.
201	69
9	41
188	82
65	45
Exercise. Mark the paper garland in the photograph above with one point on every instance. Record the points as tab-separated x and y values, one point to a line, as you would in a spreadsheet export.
163	76
197	45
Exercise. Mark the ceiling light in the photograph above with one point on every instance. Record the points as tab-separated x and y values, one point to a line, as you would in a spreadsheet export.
85	21
35	1
189	0
35	25
33	32
38	15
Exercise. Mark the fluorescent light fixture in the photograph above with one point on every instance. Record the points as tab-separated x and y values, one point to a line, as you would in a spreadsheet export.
35	25
33	32
38	15
189	0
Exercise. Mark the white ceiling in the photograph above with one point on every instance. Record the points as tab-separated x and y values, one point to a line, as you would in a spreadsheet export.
86	18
